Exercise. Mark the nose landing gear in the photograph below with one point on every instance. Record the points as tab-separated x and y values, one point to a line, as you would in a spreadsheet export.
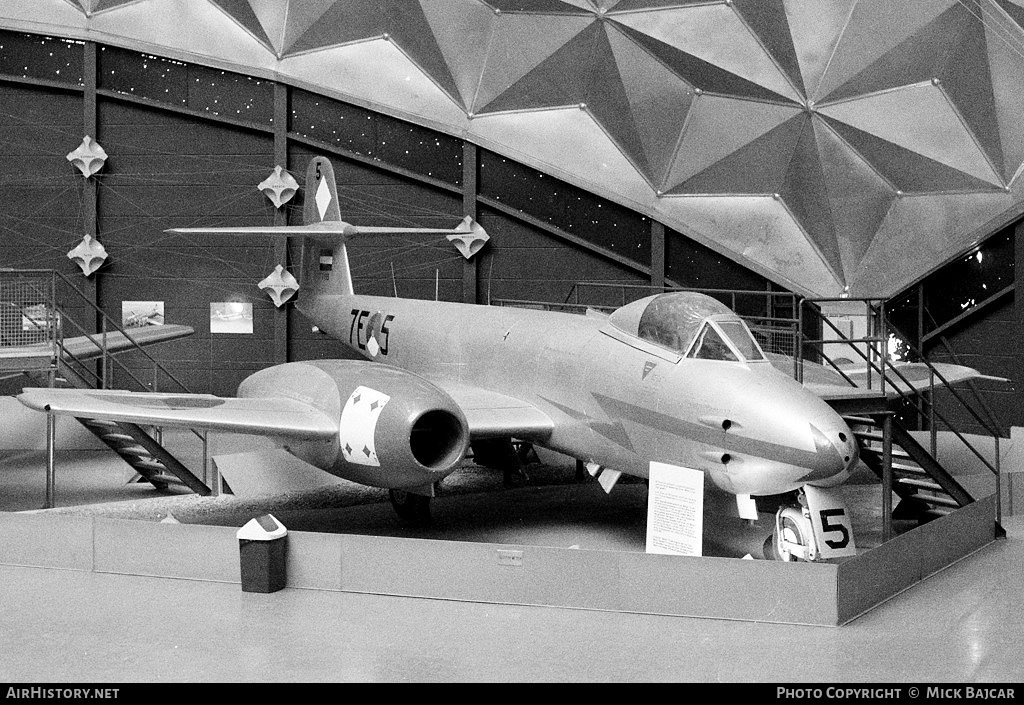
793	538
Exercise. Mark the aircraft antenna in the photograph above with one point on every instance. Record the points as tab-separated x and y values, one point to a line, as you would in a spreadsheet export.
437	282
394	282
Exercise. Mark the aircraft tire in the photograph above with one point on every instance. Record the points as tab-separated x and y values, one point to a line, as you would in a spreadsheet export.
794	525
413	508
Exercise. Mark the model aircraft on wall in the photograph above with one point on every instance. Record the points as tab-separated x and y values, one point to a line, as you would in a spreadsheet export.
674	378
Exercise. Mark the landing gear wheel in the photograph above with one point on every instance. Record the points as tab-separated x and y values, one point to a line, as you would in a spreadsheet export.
413	508
793	539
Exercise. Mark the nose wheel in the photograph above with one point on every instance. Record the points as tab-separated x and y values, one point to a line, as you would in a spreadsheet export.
793	538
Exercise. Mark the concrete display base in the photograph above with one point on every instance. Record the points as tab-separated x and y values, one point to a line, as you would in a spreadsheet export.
494	564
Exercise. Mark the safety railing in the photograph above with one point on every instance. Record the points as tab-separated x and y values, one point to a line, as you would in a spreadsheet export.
35	310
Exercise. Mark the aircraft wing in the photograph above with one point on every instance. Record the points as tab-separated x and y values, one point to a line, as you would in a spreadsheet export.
269	416
492	414
830	384
87	347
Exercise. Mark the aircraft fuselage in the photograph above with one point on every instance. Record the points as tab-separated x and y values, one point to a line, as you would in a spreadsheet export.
617	401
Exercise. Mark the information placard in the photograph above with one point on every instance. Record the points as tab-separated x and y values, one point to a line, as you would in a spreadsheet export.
675	510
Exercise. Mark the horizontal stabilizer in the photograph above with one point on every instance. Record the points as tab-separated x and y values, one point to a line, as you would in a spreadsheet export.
329	228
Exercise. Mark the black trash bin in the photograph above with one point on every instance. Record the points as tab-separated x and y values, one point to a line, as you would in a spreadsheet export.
261	549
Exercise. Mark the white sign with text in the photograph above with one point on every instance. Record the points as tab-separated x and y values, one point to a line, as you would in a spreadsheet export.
675	510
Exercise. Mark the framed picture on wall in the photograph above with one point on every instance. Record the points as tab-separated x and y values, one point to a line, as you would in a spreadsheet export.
230	317
136	314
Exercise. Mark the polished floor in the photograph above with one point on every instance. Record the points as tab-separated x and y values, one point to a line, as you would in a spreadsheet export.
965	624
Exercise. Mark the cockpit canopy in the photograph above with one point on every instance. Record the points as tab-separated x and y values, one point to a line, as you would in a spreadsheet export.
691	324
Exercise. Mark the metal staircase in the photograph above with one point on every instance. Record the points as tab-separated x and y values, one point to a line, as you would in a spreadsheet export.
925	488
138	447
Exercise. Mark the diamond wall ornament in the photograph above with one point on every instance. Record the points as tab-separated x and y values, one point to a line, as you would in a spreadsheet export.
280	285
468	244
89	157
88	254
279	187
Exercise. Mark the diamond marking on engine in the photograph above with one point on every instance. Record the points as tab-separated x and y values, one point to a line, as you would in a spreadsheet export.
358	425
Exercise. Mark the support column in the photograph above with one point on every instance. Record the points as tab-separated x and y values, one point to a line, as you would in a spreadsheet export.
1017	373
90	127
469	207
90	193
657	256
281	216
51	439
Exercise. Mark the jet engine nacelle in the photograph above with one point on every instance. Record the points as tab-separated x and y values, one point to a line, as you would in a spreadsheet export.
395	429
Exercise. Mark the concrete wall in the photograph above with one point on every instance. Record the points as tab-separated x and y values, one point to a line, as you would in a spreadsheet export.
721	588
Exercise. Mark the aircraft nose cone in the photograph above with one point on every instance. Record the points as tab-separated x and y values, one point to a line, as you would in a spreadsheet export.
835	456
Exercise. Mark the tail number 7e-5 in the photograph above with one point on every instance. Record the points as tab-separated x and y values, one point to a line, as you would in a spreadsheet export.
370	335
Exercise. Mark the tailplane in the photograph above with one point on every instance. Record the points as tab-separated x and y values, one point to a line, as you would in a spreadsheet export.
324	266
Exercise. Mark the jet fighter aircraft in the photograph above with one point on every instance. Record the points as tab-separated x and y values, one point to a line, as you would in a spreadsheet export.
674	378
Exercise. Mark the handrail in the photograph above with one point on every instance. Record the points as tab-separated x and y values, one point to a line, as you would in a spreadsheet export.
888	364
919	351
117	327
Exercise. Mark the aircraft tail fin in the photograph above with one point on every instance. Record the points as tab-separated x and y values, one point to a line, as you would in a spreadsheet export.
324	265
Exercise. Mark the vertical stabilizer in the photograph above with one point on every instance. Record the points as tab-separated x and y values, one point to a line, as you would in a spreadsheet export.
324	259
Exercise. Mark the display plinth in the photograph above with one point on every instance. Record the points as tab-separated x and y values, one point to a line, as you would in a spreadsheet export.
713	587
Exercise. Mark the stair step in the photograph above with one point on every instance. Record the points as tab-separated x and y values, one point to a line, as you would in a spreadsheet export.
116	438
99	423
133	450
897	452
859	420
165	479
922	484
869	436
149	465
938	501
909	468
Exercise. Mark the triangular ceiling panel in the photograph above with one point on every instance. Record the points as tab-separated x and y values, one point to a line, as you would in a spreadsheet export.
758	167
827	103
247	13
760	230
805	194
520	43
898	251
951	49
770	24
905	169
540	6
583	72
717	127
658	102
872	29
403	22
816	28
91	7
857	196
714	34
920	119
301	16
697	72
464	39
573	141
1007	68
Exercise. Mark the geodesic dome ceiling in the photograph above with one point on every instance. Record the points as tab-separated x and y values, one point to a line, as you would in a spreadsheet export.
832	145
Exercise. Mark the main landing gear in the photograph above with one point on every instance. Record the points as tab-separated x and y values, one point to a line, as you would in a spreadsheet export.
410	507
